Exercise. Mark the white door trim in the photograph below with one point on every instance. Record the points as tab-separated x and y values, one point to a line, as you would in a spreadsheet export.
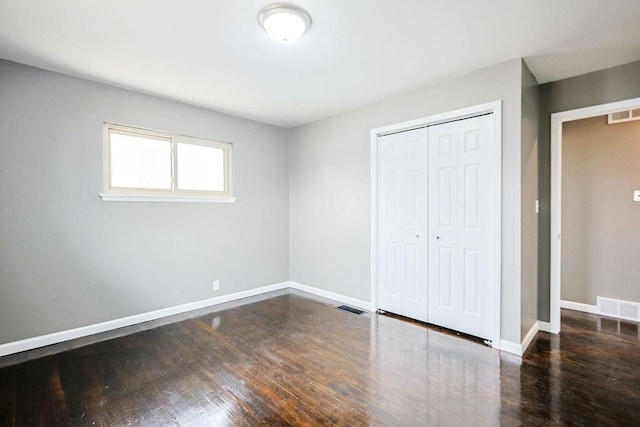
491	107
557	120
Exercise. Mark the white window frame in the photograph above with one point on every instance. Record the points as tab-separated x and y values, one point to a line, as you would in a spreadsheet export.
170	195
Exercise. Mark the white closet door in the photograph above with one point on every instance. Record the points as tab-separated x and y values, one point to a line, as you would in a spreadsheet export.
402	249
460	240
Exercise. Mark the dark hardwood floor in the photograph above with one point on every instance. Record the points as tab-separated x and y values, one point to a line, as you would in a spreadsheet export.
291	360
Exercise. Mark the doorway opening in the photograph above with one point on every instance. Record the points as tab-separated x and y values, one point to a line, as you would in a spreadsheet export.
558	121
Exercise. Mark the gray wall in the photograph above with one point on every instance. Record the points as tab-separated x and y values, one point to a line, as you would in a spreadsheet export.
529	132
330	185
600	87
68	259
600	220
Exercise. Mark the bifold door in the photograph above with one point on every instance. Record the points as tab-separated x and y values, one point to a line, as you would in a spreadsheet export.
402	196
460	246
435	196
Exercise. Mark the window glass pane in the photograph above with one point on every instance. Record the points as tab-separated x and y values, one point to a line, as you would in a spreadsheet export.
140	162
200	168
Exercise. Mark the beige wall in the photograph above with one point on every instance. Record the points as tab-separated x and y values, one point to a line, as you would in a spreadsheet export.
600	220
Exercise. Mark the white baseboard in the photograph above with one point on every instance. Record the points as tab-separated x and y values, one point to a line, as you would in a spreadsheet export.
70	334
519	349
526	341
578	306
365	305
544	326
83	331
511	347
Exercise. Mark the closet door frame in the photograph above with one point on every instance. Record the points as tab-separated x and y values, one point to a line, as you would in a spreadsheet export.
496	109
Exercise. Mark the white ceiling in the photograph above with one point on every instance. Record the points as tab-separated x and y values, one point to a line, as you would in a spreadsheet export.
213	53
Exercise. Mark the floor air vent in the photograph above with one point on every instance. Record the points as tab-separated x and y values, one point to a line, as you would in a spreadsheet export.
350	309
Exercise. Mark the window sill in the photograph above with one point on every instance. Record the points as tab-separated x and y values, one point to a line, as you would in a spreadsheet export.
160	198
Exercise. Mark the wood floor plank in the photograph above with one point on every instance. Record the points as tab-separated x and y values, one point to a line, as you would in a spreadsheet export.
291	360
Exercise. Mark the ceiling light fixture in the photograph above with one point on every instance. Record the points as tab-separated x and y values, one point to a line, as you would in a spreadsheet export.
284	22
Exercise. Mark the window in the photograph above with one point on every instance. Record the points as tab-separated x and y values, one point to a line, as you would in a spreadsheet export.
141	164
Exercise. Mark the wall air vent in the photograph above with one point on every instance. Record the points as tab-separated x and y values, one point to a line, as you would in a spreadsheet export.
623	116
627	310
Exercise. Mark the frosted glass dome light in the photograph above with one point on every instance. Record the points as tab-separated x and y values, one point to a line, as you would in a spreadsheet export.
284	22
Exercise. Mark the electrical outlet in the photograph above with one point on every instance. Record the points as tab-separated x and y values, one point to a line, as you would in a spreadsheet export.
216	285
